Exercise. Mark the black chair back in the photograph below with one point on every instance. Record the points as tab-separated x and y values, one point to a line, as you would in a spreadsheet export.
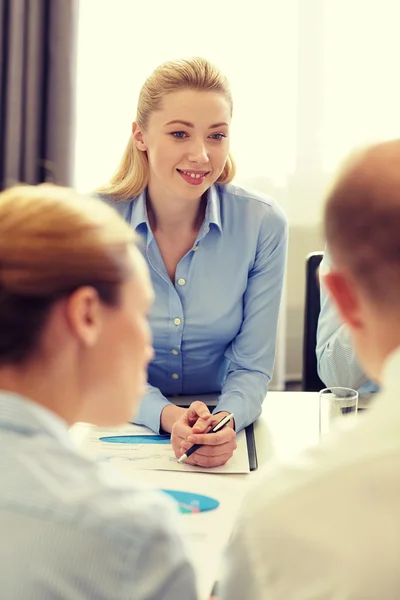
310	380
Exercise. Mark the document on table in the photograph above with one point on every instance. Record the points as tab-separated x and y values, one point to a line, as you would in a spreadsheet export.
149	451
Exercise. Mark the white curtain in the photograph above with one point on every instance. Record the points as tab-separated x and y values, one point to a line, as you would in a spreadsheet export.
311	79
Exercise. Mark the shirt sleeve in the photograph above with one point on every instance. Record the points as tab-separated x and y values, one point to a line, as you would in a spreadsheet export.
151	406
252	352
337	361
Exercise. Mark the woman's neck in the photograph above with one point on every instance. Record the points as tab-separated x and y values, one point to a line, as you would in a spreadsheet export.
171	215
34	383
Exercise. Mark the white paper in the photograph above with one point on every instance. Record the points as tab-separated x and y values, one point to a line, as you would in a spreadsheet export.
150	456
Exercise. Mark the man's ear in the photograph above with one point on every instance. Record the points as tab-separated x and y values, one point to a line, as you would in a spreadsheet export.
84	314
344	295
138	137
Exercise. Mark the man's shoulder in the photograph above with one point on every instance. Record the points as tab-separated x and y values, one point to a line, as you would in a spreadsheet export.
308	516
321	471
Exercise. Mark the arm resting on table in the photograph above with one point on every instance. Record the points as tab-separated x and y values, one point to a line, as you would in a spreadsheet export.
252	352
156	412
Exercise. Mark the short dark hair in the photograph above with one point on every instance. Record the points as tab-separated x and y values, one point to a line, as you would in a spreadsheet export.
362	220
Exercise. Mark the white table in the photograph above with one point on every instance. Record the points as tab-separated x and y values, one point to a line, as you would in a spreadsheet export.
288	424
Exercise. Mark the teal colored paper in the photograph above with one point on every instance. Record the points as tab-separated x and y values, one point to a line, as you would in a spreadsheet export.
136	439
192	503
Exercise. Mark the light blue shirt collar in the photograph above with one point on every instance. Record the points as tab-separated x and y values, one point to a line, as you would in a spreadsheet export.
18	413
139	214
213	210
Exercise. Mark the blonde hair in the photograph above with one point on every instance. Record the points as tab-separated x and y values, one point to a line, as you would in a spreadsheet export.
131	176
52	241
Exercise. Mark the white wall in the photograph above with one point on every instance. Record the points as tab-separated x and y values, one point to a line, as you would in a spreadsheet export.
305	236
310	79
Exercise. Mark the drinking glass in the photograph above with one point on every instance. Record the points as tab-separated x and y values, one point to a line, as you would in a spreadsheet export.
334	403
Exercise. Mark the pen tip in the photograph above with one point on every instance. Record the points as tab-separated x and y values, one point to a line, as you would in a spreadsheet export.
182	458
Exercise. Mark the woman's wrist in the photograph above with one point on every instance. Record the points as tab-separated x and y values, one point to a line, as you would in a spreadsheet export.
224	413
169	415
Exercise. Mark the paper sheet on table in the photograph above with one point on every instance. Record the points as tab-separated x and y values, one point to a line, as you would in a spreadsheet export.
151	456
206	533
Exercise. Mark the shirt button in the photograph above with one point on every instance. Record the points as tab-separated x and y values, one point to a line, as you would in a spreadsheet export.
175	352
195	248
181	281
175	376
177	321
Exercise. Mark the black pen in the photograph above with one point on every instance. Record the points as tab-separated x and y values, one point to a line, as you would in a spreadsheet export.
216	428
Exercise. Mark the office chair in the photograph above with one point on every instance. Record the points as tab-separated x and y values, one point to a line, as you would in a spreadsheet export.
310	380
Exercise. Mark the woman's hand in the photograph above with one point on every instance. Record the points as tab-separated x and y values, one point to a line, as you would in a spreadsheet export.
191	429
198	414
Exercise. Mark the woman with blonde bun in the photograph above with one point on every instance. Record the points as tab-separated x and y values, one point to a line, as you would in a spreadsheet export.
74	346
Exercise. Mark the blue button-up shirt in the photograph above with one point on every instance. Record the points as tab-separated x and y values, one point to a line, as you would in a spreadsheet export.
214	327
69	530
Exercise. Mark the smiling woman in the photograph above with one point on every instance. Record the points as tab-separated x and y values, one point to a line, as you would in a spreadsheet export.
197	152
132	175
216	254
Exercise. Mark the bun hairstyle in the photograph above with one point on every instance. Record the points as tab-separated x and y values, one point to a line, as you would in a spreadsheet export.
53	241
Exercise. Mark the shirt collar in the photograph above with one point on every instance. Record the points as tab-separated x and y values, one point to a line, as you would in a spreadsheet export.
213	210
26	417
139	214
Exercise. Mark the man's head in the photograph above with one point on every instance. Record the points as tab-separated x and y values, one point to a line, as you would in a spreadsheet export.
362	226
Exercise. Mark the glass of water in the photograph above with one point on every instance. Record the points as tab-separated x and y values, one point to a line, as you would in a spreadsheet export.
334	403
